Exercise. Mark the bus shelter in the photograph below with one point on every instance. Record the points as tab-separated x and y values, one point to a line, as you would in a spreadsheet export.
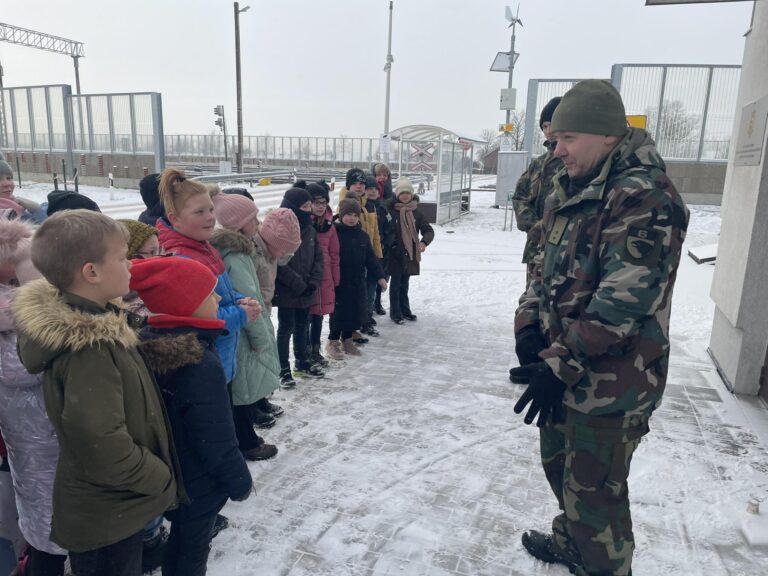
439	162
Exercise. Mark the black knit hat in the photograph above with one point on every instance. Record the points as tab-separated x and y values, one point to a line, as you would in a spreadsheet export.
354	175
370	181
295	199
59	200
325	185
317	191
239	191
548	110
149	188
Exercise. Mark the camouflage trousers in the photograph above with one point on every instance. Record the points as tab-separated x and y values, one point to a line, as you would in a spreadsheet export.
586	462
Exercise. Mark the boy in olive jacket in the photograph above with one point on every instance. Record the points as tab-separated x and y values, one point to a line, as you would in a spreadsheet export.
116	471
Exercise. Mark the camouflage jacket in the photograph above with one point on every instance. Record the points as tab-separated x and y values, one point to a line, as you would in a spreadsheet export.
602	284
531	190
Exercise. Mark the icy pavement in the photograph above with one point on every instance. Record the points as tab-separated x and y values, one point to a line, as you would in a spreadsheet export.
409	460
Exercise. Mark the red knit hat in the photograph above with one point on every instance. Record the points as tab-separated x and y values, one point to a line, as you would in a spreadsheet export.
280	231
233	211
171	284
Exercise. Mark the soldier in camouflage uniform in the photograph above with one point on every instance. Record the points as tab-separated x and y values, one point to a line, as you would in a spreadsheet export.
534	186
592	329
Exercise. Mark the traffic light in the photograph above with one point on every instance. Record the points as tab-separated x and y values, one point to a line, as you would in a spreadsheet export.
219	111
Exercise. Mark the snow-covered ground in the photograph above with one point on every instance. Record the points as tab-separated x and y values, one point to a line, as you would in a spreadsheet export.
410	461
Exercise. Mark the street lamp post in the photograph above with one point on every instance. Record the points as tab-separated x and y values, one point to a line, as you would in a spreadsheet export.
388	70
239	158
514	21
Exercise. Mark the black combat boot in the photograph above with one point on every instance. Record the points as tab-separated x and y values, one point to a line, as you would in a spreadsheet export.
543	547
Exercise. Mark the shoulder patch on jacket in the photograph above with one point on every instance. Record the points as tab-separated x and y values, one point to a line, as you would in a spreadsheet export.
643	245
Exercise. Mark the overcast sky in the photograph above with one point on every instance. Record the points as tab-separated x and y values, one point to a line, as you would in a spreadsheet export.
315	67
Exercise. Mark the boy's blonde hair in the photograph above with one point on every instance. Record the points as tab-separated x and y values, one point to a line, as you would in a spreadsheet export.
176	189
382	169
68	240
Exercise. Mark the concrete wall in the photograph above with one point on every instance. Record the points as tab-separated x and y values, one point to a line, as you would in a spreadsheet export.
698	182
40	166
740	329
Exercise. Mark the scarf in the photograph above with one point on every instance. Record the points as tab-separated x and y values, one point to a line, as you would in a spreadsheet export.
408	232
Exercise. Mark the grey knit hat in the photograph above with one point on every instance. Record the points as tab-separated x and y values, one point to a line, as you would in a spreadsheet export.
5	169
591	107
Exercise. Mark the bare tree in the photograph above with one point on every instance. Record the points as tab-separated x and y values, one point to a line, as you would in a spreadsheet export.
490	136
517	119
679	131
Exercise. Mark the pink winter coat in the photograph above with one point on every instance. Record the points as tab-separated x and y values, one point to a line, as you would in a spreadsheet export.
325	298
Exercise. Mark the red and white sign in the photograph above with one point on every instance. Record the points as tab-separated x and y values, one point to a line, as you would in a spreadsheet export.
422	151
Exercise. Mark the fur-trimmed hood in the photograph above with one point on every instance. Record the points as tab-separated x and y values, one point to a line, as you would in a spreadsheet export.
15	241
168	352
52	322
226	241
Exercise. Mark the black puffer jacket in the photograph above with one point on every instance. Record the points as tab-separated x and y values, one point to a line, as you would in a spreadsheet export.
356	257
303	270
191	379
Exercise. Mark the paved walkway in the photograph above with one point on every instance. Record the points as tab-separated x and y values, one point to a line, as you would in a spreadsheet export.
409	460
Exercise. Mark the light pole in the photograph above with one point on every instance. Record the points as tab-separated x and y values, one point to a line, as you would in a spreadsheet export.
388	70
514	21
239	88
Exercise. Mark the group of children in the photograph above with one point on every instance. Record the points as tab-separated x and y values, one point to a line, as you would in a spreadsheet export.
137	357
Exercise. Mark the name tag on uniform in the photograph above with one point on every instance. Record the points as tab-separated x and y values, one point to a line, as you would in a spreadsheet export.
556	234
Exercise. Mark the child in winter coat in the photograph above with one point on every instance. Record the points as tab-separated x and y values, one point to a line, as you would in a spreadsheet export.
143	242
186	231
179	343
149	188
275	241
325	298
295	288
384	189
370	214
11	540
33	450
356	261
383	181
116	468
25	209
258	367
406	248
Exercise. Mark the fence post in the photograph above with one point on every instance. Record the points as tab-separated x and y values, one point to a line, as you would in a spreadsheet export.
18	170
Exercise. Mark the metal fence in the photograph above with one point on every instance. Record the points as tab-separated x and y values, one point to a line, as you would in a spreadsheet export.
540	91
50	119
277	150
117	123
690	109
35	118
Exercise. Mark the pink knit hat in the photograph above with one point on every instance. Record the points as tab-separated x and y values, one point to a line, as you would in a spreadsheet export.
280	231
233	211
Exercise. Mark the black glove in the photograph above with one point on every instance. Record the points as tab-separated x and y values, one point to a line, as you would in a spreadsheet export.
309	290
528	343
544	393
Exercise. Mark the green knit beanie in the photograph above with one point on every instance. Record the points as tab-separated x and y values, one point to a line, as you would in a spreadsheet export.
139	233
591	107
